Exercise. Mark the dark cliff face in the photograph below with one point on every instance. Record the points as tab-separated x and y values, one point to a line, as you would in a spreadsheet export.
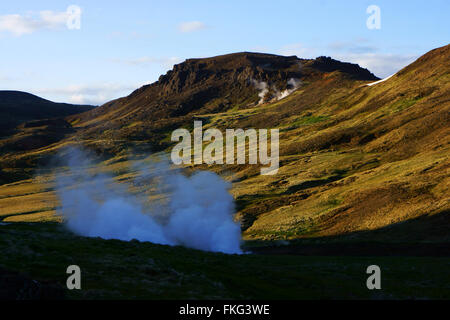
196	83
233	68
211	85
219	82
239	68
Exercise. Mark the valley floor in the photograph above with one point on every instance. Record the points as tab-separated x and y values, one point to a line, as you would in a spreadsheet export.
35	257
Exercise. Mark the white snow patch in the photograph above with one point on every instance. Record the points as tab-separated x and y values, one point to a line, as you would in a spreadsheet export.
379	81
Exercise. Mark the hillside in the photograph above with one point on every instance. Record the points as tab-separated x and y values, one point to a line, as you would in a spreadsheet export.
205	86
28	122
369	162
17	107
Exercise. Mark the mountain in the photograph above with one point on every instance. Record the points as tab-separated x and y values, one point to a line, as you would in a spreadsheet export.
210	85
363	176
356	161
28	122
17	107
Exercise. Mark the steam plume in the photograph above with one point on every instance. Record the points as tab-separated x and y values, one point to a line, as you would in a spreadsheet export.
264	88
198	210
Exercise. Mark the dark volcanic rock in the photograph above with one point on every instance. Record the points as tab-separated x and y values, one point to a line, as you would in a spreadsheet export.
205	86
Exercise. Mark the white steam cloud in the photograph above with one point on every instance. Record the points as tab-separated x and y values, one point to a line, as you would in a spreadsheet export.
197	214
293	85
264	88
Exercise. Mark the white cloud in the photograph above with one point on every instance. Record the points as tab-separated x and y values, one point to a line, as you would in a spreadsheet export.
382	65
299	50
191	26
353	47
96	94
359	51
53	19
260	49
6	78
25	24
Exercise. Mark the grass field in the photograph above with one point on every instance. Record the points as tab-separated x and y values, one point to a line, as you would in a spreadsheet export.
134	270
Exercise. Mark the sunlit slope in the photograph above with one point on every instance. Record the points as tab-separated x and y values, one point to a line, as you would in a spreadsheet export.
353	158
363	159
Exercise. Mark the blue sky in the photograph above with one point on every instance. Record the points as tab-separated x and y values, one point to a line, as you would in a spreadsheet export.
123	45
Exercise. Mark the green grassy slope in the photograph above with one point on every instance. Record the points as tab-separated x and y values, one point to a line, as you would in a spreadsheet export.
353	158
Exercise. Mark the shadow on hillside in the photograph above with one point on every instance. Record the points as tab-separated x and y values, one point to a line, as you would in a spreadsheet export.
423	236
